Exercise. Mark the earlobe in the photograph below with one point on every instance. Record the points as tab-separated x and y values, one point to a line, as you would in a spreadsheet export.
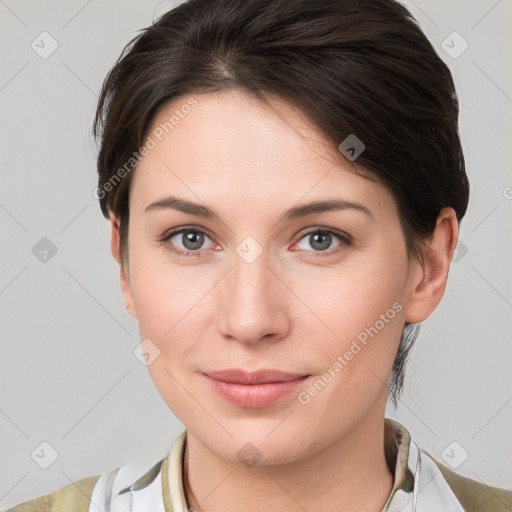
123	272
428	281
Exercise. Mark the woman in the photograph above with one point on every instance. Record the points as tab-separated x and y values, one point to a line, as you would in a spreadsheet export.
284	183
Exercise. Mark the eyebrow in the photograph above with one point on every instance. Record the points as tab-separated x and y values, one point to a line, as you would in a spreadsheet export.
293	213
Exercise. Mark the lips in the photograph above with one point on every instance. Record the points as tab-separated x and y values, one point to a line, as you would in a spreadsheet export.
236	376
254	389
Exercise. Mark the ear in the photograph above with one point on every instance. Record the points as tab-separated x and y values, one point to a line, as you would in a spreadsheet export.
428	281
123	270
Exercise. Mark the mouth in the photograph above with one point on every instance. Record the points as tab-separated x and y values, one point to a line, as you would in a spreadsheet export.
254	389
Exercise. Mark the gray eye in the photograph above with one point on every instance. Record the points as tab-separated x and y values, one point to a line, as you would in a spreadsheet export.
189	240
318	241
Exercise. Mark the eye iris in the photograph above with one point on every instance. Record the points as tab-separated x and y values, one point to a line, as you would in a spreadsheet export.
193	240
322	241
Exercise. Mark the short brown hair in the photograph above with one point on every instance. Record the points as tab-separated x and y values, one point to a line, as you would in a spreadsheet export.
354	67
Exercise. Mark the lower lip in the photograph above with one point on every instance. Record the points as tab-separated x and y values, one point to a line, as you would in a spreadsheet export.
255	395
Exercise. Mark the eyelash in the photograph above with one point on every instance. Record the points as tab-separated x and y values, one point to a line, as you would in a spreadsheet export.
344	239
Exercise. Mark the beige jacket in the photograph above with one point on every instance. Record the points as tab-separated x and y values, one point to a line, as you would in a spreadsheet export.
421	484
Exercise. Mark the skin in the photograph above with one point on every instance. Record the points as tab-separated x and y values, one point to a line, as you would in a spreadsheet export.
295	308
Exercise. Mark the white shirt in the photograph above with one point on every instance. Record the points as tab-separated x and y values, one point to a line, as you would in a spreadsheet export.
418	484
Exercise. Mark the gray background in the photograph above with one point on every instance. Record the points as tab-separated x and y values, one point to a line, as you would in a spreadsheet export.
68	375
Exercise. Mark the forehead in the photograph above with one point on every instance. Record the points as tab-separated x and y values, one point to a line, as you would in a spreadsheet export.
230	145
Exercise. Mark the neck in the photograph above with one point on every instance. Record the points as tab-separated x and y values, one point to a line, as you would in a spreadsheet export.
349	474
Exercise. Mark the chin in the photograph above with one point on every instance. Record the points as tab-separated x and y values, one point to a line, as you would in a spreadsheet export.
259	442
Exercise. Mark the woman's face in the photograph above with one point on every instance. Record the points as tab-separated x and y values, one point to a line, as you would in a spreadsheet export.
262	282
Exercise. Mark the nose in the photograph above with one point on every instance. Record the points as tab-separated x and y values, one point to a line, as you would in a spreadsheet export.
254	303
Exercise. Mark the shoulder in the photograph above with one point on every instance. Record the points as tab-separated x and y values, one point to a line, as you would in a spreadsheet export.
476	496
75	497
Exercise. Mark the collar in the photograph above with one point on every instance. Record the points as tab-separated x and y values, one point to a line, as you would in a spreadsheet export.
418	483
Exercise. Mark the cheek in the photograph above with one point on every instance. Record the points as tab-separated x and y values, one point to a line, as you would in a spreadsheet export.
359	311
174	311
170	314
354	296
162	293
354	363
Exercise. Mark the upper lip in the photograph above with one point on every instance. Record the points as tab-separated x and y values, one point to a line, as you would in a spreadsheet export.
238	376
